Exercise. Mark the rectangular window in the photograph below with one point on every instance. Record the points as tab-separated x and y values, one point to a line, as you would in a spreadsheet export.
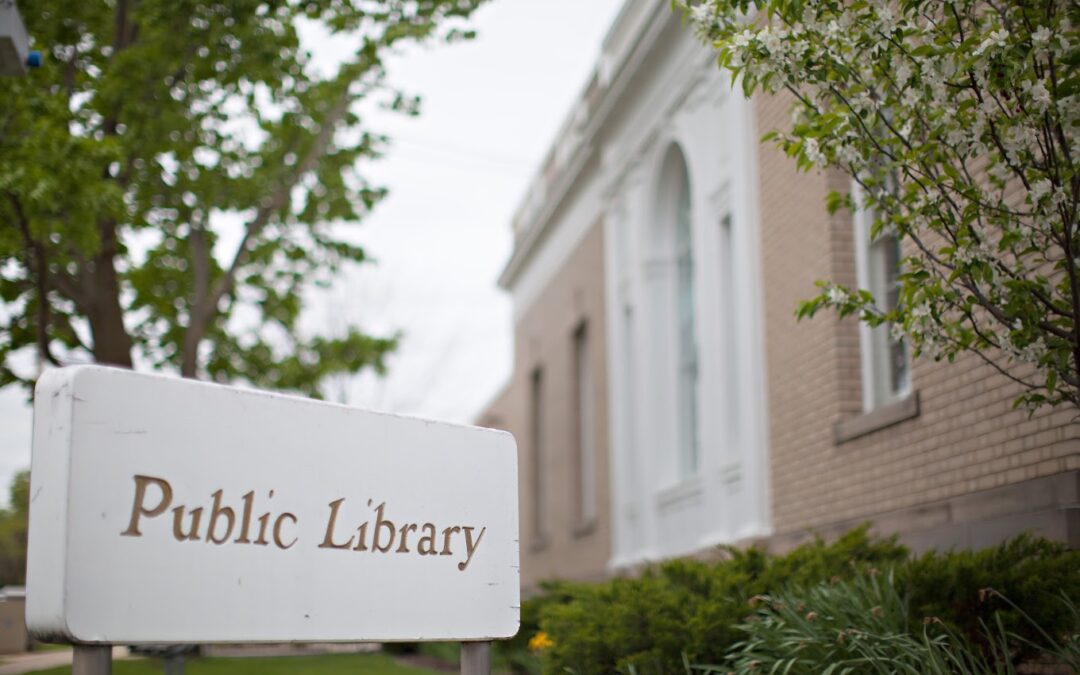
586	430
536	464
885	363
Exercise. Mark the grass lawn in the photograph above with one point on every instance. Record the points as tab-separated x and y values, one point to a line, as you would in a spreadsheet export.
324	664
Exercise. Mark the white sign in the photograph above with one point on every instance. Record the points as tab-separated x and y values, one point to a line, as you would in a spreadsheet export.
166	510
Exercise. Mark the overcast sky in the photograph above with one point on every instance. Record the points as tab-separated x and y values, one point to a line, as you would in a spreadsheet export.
456	174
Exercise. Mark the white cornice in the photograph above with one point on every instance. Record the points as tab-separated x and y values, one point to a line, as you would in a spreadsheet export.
536	230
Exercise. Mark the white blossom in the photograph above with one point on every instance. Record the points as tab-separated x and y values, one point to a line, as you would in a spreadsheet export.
997	39
1039	189
902	71
702	14
911	97
886	19
986	124
813	151
1040	96
772	42
743	39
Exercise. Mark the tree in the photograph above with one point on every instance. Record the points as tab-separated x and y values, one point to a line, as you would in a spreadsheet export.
13	527
959	119
178	174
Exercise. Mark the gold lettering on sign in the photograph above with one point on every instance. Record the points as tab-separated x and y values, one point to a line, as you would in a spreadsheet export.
426	546
249	501
380	523
405	530
178	518
138	508
446	539
361	535
277	531
264	520
470	547
215	513
154	496
328	540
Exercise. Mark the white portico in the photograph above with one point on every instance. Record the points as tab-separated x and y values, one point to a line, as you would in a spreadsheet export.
662	151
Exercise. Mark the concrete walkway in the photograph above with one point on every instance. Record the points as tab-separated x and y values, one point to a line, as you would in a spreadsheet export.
17	664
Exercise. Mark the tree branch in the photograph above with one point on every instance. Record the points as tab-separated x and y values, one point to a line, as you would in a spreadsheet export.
200	267
40	271
203	313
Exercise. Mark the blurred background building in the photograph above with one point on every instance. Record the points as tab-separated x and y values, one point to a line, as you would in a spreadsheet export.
663	395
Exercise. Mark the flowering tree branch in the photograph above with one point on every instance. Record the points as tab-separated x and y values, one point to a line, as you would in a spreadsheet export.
959	120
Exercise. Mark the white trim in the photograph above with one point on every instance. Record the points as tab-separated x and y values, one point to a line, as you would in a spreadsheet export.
758	365
681	492
862	278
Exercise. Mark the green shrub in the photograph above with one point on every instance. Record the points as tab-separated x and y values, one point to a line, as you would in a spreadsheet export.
689	608
514	654
1026	572
863	626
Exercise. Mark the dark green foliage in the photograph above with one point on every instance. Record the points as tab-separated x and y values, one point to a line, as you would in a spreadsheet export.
13	525
864	626
689	607
515	653
689	612
967	589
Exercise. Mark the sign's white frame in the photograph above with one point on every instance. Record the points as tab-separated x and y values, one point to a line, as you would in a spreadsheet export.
174	511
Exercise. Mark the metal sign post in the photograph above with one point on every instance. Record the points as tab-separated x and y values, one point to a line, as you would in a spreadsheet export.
475	658
91	660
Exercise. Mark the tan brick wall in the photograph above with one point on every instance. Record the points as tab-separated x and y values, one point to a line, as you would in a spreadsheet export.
967	436
544	338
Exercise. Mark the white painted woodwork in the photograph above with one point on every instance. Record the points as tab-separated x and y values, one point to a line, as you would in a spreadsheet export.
664	91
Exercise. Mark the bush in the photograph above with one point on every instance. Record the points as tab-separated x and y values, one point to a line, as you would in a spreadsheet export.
691	611
689	608
862	626
1027	573
515	654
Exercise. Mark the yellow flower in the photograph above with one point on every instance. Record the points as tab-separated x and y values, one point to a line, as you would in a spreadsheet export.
540	641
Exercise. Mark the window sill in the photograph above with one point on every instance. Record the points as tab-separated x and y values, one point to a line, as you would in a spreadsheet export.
683	491
584	528
850	428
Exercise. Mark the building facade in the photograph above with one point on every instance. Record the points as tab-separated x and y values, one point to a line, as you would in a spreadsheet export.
664	397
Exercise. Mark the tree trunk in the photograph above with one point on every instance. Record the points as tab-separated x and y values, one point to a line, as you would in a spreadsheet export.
112	344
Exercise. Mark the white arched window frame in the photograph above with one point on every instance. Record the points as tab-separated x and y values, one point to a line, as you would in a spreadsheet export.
679	310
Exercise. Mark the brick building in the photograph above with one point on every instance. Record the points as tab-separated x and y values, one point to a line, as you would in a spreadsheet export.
665	399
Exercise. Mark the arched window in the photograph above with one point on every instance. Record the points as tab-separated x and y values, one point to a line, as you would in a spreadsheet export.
675	214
